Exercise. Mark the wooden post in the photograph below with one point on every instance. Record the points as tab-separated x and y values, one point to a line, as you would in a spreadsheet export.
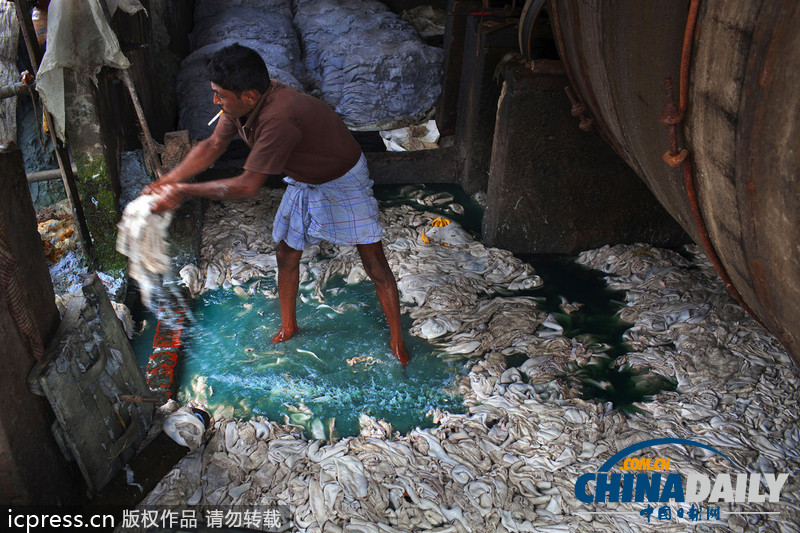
149	143
32	469
23	10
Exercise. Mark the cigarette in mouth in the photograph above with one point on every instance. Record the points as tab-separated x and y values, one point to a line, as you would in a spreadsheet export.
214	119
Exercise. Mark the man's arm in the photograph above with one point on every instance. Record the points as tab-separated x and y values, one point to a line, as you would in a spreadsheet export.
245	185
202	156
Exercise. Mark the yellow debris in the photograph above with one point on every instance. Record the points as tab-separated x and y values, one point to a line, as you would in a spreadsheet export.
440	222
642	252
58	237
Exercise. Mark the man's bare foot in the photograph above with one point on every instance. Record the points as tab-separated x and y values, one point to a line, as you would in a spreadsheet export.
399	351
284	334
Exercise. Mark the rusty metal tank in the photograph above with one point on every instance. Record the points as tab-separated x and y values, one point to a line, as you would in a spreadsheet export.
736	76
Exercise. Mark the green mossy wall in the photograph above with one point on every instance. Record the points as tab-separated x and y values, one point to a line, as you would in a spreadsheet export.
99	205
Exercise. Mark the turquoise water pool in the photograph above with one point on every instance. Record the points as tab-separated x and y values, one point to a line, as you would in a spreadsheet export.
338	366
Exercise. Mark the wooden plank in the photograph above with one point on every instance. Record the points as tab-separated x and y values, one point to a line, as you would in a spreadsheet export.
83	378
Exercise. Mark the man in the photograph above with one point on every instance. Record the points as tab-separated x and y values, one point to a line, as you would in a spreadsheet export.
329	194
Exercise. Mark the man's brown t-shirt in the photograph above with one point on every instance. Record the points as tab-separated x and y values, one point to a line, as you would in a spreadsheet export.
295	134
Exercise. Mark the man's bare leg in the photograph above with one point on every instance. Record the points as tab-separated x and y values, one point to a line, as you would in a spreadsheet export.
288	283
377	268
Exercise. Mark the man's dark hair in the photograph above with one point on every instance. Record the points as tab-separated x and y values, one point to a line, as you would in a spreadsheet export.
237	68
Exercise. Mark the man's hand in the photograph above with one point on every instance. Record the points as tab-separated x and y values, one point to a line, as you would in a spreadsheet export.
153	188
170	196
156	186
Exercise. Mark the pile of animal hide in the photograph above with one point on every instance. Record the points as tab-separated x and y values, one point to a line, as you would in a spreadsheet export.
142	239
366	62
510	462
263	25
369	64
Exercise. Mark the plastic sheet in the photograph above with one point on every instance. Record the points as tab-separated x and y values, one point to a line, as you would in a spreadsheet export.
84	51
418	137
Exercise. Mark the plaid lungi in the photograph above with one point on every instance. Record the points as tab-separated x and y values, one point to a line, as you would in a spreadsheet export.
341	211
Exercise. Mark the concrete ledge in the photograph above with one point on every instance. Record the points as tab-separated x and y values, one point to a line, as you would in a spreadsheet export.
423	166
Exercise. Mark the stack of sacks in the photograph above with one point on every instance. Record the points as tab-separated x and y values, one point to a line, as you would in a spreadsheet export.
367	63
263	25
